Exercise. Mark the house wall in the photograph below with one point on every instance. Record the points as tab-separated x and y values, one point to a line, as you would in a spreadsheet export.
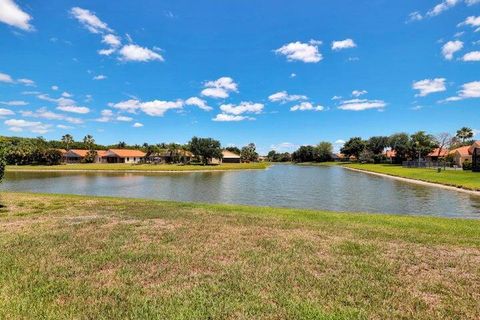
132	159
459	159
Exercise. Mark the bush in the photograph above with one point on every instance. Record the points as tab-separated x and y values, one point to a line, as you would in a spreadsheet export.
2	168
467	165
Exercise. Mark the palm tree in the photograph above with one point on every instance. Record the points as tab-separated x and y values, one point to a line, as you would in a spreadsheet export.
464	134
67	141
88	141
121	145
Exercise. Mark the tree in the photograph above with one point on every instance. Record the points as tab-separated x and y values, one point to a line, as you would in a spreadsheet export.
366	156
89	142
377	144
400	143
353	147
444	141
121	145
233	149
205	148
90	156
304	154
464	134
249	153
67	140
324	151
421	144
2	167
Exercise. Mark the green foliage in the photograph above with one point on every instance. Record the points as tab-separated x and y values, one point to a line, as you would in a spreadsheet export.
89	142
467	165
324	151
400	143
377	144
233	149
90	156
421	144
319	153
274	156
67	140
25	151
2	167
464	134
249	153
205	148
366	156
353	147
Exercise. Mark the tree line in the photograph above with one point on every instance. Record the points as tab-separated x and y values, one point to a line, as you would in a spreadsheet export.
29	151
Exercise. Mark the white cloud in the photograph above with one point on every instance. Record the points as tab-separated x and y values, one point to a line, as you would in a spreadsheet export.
343	44
137	125
6	112
362	104
230	118
19	125
26	82
284	97
66	95
220	88
54	88
156	108
471	2
428	86
89	20
306	106
133	52
472	56
358	93
243	107
112	40
44	113
64	127
6	78
12	15
441	7
469	90
299	51
340	141
73	109
336	97
100	77
124	118
293	75
200	103
414	16
106	52
450	48
472	21
14	103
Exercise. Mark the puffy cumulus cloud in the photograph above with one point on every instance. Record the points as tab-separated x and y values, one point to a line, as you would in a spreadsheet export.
442	6
111	40
73	109
414	16
137	125
472	56
14	103
243	107
428	86
222	117
6	112
306	106
155	108
220	88
11	14
343	44
124	118
197	102
284	97
65	94
106	52
450	48
19	125
469	90
54	88
44	113
6	78
64	127
300	51
89	20
472	21
362	104
26	82
107	116
358	93
133	52
100	77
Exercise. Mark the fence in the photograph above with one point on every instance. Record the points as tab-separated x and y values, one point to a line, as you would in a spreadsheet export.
426	164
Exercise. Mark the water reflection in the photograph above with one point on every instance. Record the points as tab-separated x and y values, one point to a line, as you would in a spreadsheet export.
330	188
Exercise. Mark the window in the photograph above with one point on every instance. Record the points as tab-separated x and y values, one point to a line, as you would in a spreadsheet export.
128	159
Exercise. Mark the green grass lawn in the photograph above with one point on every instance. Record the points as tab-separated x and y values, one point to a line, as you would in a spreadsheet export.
457	178
75	257
142	167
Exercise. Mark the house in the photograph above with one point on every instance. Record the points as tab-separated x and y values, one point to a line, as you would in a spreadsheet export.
171	156
123	156
230	157
437	154
78	155
390	155
462	154
342	157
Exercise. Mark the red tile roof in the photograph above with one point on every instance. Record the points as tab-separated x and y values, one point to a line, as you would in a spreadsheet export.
463	151
390	153
438	153
123	153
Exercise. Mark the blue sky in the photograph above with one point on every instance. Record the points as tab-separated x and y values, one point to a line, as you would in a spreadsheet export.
277	73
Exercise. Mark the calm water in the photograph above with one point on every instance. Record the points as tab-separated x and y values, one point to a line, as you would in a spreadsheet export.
330	188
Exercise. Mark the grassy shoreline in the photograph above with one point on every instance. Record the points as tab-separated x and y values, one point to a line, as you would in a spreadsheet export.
453	178
141	167
95	257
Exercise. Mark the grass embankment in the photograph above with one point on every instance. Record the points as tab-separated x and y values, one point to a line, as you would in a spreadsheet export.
104	258
140	167
456	178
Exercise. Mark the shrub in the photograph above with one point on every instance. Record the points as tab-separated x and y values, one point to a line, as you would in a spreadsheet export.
467	165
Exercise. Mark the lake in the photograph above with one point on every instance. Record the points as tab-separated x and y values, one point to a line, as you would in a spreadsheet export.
313	187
